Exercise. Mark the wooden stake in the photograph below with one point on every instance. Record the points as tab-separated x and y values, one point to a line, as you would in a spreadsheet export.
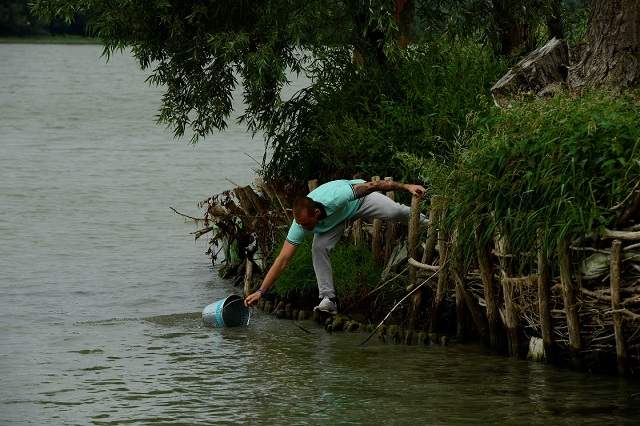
569	296
443	274
432	235
471	303
616	267
459	312
376	238
357	231
412	242
457	269
490	296
248	277
412	239
544	299
390	233
511	318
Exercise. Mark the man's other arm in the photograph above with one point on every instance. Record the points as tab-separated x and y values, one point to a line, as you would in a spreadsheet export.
362	189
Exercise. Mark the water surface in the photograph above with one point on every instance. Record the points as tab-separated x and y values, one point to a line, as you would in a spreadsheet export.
102	286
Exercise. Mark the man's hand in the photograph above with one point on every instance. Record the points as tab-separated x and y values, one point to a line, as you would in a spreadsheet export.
415	189
252	299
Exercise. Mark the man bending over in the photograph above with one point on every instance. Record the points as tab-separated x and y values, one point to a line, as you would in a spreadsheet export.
324	212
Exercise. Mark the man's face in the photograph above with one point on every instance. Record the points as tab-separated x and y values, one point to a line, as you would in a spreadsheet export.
307	218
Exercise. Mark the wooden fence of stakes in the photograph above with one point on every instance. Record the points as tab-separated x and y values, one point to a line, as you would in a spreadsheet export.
493	311
376	237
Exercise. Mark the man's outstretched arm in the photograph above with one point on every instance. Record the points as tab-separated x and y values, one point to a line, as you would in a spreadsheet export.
276	269
363	189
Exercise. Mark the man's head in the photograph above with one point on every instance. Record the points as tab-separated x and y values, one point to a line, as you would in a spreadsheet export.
306	212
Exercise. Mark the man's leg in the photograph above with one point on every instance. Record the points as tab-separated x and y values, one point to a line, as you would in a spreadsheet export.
322	245
379	206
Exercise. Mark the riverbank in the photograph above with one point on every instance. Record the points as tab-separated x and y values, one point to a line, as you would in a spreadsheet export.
425	291
49	39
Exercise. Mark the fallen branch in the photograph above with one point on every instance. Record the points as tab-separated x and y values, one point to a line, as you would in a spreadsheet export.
596	295
200	232
529	279
421	265
626	312
631	247
590	249
621	235
201	219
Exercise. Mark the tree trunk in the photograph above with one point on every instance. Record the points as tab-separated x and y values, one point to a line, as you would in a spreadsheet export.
404	17
542	71
611	57
554	19
512	29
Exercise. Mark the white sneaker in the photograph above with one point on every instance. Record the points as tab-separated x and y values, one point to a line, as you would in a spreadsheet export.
326	305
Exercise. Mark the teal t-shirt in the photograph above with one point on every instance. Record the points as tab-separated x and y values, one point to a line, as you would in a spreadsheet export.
340	204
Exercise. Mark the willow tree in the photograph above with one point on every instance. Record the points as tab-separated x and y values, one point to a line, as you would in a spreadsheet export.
200	51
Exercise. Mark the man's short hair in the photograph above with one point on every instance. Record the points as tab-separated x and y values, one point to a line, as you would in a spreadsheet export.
304	203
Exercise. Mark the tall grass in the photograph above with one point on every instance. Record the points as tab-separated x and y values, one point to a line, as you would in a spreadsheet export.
558	166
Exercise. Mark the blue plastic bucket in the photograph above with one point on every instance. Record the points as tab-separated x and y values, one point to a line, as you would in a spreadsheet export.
229	312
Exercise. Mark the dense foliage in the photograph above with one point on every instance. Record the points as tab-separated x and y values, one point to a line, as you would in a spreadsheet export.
559	166
357	121
200	51
370	102
368	98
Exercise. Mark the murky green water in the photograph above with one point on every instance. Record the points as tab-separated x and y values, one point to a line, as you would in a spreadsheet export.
102	286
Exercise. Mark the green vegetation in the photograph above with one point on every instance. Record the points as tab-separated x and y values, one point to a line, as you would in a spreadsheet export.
353	268
557	165
402	89
357	121
369	97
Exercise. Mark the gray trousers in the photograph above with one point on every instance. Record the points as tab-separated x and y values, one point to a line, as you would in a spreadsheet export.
374	206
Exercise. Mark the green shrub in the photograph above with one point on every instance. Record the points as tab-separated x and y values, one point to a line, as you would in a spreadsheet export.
556	165
356	120
353	270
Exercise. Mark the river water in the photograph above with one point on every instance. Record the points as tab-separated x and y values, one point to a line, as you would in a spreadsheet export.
102	286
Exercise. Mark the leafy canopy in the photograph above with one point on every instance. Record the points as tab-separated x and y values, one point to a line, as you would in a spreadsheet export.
557	166
201	50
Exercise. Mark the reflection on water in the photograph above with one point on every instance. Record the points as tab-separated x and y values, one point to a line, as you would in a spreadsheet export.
102	287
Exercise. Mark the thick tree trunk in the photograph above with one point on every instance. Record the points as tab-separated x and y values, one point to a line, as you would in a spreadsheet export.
512	29
554	19
404	17
542	71
611	57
